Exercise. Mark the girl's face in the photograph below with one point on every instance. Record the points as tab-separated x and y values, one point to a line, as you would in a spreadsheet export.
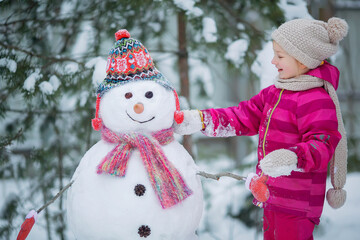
288	66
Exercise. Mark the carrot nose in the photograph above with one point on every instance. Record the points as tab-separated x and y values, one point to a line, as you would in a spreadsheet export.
138	108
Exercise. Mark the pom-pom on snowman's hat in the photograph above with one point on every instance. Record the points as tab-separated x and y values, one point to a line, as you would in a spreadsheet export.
130	61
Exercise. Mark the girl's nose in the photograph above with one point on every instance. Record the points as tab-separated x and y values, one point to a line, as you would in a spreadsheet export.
273	61
138	108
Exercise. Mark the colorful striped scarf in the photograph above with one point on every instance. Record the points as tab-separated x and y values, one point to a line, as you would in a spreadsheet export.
165	179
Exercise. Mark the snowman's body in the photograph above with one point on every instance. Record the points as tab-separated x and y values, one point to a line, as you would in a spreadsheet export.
103	206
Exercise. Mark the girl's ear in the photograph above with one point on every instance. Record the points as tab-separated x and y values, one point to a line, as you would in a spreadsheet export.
302	69
302	66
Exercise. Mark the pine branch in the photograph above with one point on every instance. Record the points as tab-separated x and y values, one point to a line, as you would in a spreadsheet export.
8	140
46	57
236	17
40	112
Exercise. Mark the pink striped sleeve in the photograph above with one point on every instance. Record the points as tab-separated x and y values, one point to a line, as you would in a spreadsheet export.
243	119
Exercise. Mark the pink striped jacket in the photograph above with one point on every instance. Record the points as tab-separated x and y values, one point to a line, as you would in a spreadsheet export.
304	122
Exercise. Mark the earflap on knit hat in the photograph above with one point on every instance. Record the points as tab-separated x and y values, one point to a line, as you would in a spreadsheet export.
97	122
178	114
311	41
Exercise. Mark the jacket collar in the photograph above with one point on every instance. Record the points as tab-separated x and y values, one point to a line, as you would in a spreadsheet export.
326	72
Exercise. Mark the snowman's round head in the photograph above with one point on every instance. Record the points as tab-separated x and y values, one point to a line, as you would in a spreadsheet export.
131	72
141	106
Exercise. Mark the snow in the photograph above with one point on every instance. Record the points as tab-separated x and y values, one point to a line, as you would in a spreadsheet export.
84	40
46	88
49	87
209	29
29	83
236	51
99	65
155	26
202	72
84	96
68	103
295	9
342	223
262	66
71	68
189	7
9	63
55	82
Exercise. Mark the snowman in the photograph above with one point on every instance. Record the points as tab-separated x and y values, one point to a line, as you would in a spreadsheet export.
137	182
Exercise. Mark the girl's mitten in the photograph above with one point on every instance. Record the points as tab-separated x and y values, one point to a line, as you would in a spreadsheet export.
279	163
257	185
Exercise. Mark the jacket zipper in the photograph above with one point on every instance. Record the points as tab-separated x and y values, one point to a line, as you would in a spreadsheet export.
268	123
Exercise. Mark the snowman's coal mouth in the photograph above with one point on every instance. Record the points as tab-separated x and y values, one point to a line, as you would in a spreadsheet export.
138	120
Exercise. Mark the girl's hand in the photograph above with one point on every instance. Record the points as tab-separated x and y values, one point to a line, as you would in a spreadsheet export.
279	163
257	186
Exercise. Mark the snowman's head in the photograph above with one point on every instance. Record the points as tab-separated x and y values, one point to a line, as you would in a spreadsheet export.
141	106
134	96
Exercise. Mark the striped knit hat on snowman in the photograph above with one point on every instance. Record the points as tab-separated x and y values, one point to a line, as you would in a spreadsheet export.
130	61
311	42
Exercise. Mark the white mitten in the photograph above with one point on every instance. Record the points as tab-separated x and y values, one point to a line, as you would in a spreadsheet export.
192	123
279	163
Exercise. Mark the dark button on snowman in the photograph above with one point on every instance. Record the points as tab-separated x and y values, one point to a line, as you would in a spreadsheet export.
137	181
140	190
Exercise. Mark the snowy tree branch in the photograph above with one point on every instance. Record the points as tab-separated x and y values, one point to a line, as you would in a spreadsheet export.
40	112
52	59
8	140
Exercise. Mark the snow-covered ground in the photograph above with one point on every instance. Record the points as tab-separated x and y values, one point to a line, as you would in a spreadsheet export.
228	195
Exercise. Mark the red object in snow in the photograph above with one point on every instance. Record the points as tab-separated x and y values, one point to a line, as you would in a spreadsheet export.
27	225
259	188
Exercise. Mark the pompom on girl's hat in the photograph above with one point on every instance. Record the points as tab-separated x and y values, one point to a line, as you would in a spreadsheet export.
311	41
130	61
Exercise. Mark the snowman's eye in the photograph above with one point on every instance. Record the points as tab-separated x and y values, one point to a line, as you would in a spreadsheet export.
128	95
149	94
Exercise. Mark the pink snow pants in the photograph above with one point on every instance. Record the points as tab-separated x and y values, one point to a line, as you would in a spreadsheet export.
282	226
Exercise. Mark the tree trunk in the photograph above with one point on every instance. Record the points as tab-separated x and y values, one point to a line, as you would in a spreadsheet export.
184	70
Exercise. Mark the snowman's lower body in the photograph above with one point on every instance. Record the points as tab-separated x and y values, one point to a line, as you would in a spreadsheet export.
108	207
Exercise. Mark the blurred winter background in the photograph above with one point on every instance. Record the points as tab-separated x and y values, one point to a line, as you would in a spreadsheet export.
217	53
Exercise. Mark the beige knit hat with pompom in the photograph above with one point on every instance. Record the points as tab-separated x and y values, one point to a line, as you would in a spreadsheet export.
311	41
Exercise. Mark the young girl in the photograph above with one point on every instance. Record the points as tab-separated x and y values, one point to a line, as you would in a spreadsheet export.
300	128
